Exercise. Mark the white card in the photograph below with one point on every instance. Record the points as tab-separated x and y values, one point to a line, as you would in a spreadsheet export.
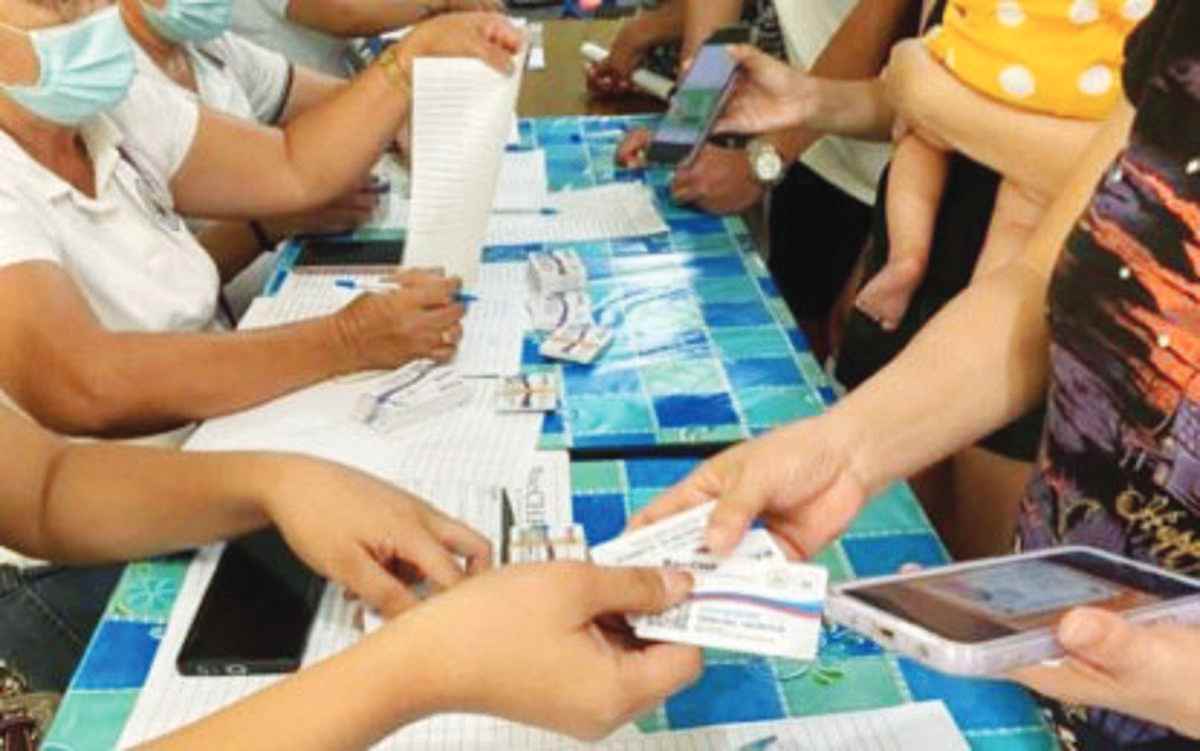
541	543
528	392
580	343
550	312
557	271
747	606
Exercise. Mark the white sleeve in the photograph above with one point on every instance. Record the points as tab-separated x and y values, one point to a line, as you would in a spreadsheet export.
158	120
264	75
25	237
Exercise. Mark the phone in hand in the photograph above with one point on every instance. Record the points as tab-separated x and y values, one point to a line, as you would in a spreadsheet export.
698	101
986	618
256	613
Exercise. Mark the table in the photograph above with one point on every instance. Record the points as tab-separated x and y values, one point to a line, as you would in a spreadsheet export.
851	673
561	88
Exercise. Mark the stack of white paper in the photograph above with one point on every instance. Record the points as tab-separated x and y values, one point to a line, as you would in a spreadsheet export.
605	213
462	115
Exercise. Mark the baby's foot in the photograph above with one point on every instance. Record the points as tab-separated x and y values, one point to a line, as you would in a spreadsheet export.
885	298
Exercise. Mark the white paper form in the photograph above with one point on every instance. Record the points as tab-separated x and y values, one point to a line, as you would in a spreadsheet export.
542	494
493	331
523	183
604	213
462	114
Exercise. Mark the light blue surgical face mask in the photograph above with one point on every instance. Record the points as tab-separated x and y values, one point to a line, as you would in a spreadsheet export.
190	20
86	68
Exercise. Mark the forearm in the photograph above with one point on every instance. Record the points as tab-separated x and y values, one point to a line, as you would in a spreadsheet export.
858	50
310	711
702	18
309	89
136	384
661	25
233	246
106	503
855	109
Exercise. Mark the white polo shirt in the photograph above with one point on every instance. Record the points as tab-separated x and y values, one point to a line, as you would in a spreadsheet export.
266	22
128	252
234	76
853	166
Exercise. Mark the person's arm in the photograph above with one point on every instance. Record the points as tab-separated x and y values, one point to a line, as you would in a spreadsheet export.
359	18
99	503
810	479
77	377
472	650
702	18
237	169
637	36
308	89
1038	152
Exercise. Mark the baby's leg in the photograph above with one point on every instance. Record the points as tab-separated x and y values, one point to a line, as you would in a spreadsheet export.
1013	221
915	187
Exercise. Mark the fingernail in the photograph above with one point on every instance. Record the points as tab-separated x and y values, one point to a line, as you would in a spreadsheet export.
678	583
1079	630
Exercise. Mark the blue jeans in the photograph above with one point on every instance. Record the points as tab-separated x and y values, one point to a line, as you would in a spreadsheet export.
47	615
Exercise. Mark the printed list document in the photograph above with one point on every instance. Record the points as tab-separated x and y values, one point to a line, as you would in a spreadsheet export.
523	183
607	212
462	115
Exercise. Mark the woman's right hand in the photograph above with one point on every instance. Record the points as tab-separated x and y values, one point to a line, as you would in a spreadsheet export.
489	37
631	154
800	479
770	95
612	75
545	645
418	321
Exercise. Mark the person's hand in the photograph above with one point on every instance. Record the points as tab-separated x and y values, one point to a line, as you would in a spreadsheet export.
631	154
418	321
489	37
544	645
911	78
799	479
1142	671
340	215
612	75
769	95
359	532
719	180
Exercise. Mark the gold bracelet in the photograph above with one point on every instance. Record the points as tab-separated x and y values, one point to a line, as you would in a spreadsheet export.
393	71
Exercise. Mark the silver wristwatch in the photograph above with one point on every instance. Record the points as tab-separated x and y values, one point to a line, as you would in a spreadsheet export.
765	162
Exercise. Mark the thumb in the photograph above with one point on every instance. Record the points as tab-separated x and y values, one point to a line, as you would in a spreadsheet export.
1104	640
433	295
636	590
746	56
736	510
377	587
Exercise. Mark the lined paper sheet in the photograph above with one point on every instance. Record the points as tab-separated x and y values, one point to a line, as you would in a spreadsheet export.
493	331
523	183
462	115
604	213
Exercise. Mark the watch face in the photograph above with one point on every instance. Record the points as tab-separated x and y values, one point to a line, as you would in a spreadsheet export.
768	165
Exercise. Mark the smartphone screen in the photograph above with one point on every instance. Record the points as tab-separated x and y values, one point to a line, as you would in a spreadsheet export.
695	106
256	614
350	253
979	604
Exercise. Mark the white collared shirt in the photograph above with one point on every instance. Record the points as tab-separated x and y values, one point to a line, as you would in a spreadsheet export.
129	253
265	22
234	76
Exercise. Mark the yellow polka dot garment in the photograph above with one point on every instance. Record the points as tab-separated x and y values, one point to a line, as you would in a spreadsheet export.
1058	57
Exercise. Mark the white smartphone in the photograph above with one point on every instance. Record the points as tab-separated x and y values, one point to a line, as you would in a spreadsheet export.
988	617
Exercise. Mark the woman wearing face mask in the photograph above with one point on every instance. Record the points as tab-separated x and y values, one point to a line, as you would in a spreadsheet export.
188	43
109	308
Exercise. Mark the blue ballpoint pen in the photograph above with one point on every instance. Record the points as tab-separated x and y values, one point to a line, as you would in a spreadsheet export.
545	211
463	298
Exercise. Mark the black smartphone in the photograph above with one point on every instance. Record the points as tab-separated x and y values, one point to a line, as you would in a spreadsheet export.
326	254
256	614
698	100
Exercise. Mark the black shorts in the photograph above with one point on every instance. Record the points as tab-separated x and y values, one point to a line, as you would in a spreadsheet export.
817	234
962	225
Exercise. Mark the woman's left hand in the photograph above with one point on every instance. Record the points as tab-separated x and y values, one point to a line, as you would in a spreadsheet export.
1148	672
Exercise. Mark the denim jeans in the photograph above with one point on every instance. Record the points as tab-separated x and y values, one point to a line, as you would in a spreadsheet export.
47	615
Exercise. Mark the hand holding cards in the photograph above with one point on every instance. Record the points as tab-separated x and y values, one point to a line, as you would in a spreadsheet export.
753	601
